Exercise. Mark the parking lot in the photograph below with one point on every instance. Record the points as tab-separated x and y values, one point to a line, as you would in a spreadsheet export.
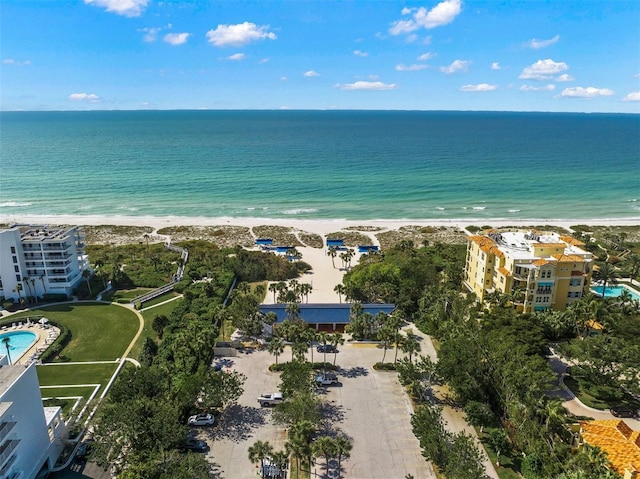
368	406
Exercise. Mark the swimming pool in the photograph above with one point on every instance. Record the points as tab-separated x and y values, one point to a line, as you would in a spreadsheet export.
19	342
615	291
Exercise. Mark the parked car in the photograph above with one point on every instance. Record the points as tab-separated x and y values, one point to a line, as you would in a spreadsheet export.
202	420
270	399
326	379
326	348
623	411
194	445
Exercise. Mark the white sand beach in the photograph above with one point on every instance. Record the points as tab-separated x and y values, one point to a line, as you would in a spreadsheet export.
319	226
324	275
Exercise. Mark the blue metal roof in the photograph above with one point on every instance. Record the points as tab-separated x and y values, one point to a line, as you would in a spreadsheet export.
334	313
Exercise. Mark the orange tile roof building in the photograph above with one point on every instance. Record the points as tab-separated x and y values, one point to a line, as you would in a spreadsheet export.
551	271
619	441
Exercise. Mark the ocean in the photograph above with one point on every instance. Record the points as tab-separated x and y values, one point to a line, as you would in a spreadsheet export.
353	165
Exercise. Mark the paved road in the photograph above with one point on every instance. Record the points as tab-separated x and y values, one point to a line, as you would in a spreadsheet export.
559	366
370	407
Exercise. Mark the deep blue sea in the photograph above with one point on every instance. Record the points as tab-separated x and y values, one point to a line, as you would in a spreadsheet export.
353	165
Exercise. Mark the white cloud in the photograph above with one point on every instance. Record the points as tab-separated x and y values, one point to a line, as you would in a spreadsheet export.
262	61
150	33
478	87
366	85
565	77
411	68
543	70
456	66
236	57
128	8
443	13
537	44
239	34
635	96
496	66
283	78
549	87
358	53
426	56
589	92
311	74
11	61
86	97
176	38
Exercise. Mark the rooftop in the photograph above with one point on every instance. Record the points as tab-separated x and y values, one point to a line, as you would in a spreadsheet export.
617	439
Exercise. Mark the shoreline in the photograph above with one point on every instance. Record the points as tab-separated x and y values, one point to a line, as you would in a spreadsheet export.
318	226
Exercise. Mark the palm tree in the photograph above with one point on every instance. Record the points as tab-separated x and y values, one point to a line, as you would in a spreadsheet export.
343	450
386	336
325	447
336	340
323	338
633	262
340	289
309	336
29	295
410	346
276	347
86	274
259	452
6	340
18	290
273	287
333	252
33	288
606	273
293	311
44	286
146	237
298	349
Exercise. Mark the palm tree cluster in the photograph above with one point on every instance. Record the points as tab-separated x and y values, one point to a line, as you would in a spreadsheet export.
291	292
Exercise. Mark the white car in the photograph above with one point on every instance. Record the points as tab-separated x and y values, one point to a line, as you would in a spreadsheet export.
326	379
270	399
202	420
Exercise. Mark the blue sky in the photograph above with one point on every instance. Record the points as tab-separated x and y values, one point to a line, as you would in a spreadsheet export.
581	56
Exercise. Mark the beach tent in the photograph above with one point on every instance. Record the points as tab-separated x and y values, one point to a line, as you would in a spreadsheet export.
43	320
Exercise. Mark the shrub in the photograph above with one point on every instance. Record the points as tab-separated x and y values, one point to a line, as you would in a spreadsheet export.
384	366
58	345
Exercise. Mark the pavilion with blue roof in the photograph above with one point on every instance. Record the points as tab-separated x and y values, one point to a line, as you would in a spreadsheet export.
325	317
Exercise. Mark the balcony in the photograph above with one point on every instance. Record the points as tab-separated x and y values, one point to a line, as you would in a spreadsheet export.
5	428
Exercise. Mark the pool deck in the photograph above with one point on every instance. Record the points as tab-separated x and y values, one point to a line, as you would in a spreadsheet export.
45	337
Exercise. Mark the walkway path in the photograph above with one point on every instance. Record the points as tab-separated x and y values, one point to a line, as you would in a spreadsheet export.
453	417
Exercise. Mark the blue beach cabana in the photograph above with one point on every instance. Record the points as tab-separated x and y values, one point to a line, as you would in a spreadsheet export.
368	248
335	243
325	317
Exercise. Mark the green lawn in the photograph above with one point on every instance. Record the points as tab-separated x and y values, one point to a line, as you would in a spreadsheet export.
82	391
99	332
148	315
124	295
75	374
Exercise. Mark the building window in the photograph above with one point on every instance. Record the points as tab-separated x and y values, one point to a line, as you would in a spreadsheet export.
16	269
13	250
15	260
18	278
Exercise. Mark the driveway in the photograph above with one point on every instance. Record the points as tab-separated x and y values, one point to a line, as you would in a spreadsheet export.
370	407
559	365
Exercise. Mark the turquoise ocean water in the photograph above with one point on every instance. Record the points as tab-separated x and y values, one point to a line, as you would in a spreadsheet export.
353	165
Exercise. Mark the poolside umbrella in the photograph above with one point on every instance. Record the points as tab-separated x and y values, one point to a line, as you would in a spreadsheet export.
43	320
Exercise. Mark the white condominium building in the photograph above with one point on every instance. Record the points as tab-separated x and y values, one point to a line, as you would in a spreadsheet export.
38	260
30	434
538	270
